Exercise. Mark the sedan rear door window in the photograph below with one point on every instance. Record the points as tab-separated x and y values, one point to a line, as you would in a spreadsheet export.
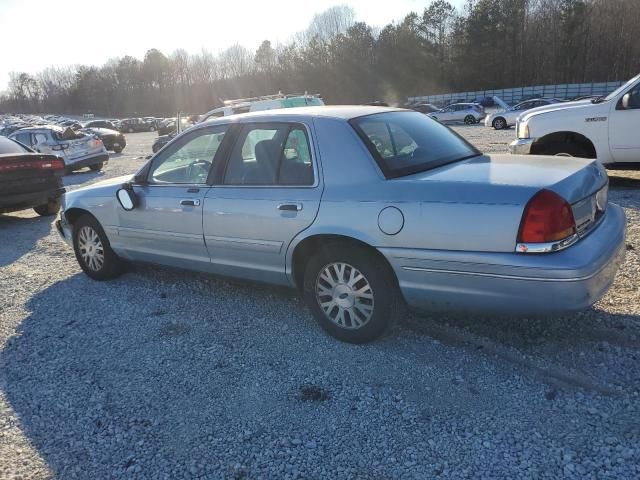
273	154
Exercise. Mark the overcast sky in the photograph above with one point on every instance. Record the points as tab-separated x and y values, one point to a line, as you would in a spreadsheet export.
40	33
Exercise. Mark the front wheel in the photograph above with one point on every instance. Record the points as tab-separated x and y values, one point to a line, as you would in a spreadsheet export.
118	150
469	120
152	129
96	167
499	123
351	293
93	250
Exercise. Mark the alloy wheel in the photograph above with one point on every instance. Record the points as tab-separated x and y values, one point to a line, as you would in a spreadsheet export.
91	248
344	295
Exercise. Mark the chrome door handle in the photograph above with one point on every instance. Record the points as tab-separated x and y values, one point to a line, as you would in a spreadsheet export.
290	207
190	203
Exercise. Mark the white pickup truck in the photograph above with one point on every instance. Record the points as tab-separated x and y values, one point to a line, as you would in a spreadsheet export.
606	128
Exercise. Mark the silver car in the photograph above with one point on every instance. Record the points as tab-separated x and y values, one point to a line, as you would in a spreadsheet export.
364	210
77	149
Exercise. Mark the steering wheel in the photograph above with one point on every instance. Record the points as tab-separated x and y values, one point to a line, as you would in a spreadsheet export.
203	165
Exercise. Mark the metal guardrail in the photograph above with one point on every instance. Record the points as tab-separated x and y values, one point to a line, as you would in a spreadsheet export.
515	95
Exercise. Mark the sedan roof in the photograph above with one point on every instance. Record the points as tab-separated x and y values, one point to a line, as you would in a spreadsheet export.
345	112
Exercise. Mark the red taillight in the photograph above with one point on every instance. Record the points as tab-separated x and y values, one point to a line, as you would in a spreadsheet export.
547	218
40	164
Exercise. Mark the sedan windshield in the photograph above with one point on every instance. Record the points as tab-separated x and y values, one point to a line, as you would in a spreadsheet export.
409	142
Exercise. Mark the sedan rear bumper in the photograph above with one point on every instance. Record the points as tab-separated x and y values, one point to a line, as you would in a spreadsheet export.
512	283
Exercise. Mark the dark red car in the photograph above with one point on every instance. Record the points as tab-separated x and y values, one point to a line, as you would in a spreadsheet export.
29	179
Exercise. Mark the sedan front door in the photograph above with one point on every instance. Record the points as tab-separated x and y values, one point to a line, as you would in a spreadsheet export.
166	225
270	191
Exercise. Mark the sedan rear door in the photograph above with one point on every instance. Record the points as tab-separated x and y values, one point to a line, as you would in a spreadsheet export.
269	192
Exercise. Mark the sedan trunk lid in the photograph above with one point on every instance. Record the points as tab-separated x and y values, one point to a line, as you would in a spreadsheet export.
572	178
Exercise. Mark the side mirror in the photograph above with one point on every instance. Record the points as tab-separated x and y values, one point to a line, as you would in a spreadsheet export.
127	197
626	101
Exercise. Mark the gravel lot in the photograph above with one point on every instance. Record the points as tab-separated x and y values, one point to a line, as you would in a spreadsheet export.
166	374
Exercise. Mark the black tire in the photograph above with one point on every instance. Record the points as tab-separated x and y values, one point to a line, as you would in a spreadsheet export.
130	130
385	300
112	266
118	149
469	120
152	128
48	209
499	123
96	167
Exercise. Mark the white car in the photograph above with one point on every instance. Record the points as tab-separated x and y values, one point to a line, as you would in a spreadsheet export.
77	149
507	118
468	113
257	104
605	128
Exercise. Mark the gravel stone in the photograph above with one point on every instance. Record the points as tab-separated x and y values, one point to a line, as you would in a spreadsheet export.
178	375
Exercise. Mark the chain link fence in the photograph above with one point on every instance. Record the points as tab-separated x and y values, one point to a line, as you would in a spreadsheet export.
515	95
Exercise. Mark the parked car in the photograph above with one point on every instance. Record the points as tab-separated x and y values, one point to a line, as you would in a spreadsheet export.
415	215
29	179
162	140
267	102
468	113
77	149
70	124
112	139
137	125
508	117
424	108
7	130
485	101
169	126
605	128
100	124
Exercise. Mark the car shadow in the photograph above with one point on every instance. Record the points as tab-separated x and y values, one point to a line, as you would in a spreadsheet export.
623	182
144	379
22	233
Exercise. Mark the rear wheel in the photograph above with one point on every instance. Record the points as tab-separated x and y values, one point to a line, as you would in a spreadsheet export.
118	149
96	167
48	209
351	293
130	130
469	120
499	123
93	251
152	128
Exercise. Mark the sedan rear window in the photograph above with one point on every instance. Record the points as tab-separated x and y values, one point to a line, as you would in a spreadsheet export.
410	142
8	146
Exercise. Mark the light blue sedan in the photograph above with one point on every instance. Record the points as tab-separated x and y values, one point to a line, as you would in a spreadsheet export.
364	210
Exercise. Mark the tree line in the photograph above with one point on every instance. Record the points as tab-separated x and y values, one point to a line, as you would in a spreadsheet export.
487	44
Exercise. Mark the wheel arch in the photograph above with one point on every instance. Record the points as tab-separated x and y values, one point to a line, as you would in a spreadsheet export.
305	247
74	213
564	137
